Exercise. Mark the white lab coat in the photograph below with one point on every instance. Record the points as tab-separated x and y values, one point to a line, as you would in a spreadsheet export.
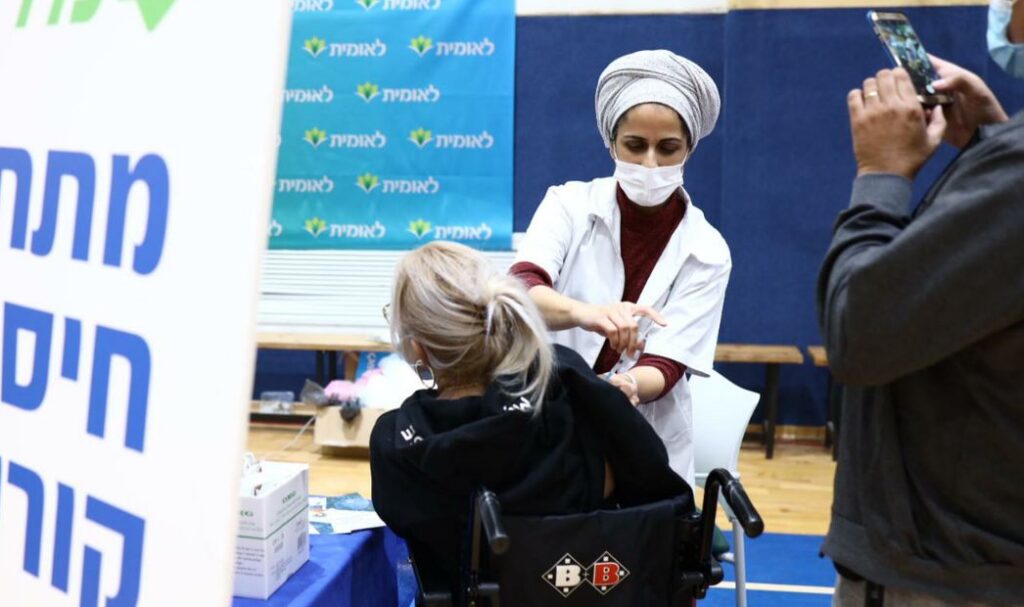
574	237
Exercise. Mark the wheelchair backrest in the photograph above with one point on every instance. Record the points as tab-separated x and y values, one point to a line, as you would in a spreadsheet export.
611	558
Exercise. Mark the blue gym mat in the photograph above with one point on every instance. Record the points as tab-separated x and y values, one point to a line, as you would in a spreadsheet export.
784	560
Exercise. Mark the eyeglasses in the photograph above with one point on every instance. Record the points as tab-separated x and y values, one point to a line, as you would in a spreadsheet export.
386	311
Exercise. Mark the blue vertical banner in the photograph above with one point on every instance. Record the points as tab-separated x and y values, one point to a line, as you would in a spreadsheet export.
398	125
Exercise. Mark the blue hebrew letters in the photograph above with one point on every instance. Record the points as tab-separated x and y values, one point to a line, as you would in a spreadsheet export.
29	482
151	170
60	165
62	539
72	348
17	161
26	345
133	529
110	343
16	318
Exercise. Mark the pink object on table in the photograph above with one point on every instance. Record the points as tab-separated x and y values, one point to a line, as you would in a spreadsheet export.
366	377
342	390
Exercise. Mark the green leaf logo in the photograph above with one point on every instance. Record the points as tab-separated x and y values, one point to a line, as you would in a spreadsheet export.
419	228
367	4
421	45
314	46
367	181
315	137
316	226
421	137
153	12
367	91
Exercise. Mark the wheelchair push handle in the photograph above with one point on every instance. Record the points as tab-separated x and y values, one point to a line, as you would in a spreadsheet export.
490	517
736	497
743	508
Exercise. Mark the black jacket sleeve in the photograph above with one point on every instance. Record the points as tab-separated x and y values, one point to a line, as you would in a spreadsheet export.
896	294
430	518
634	451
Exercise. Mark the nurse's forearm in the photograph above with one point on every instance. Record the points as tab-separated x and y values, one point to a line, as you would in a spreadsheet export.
650	382
557	309
1015	31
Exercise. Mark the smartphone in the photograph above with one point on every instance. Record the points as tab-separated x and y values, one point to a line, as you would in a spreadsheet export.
905	50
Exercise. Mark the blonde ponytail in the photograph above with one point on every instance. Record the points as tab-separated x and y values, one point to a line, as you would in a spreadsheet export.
518	338
475	324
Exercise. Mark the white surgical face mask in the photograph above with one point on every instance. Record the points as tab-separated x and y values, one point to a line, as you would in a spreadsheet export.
645	186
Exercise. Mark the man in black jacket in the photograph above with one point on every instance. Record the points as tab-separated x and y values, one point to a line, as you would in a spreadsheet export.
923	319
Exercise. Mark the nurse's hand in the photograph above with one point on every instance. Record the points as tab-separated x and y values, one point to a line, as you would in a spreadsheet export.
629	386
617	322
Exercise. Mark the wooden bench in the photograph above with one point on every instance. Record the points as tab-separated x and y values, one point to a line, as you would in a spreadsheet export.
327	345
300	413
771	356
818	355
820	359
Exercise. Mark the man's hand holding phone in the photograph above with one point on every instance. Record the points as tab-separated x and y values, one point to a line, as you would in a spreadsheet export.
974	103
891	131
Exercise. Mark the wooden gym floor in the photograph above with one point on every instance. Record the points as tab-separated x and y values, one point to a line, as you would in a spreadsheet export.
793	492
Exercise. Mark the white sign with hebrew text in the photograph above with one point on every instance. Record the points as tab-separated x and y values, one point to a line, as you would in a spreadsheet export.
130	131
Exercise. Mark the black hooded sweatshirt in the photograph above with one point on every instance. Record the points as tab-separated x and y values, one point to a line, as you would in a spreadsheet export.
429	456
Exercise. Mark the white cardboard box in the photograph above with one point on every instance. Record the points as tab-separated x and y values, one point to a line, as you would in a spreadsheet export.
273	529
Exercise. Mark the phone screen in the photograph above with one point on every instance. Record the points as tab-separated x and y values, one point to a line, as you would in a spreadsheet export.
906	50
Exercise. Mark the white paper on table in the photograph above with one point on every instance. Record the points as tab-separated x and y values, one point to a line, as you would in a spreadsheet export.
355	520
347	521
341	521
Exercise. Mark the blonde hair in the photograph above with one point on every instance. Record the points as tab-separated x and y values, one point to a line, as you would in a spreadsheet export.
474	324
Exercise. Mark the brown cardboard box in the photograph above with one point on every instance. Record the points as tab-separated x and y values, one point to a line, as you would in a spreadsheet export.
332	431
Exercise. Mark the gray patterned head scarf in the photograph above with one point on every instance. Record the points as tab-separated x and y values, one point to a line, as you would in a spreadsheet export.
657	77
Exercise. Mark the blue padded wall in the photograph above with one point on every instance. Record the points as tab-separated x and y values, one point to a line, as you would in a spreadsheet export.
788	164
558	61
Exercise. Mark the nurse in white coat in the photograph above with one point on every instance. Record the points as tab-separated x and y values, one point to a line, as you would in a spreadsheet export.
626	268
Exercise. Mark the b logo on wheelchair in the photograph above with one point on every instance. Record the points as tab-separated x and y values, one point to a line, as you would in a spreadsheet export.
568	574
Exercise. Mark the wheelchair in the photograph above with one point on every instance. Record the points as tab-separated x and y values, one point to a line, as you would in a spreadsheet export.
655	555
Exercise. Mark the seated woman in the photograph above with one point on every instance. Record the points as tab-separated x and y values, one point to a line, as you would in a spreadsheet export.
508	412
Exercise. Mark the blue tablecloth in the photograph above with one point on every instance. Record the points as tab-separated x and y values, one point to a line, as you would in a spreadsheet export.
351	570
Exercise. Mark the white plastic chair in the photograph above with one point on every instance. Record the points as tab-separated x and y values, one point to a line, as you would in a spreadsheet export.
721	412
